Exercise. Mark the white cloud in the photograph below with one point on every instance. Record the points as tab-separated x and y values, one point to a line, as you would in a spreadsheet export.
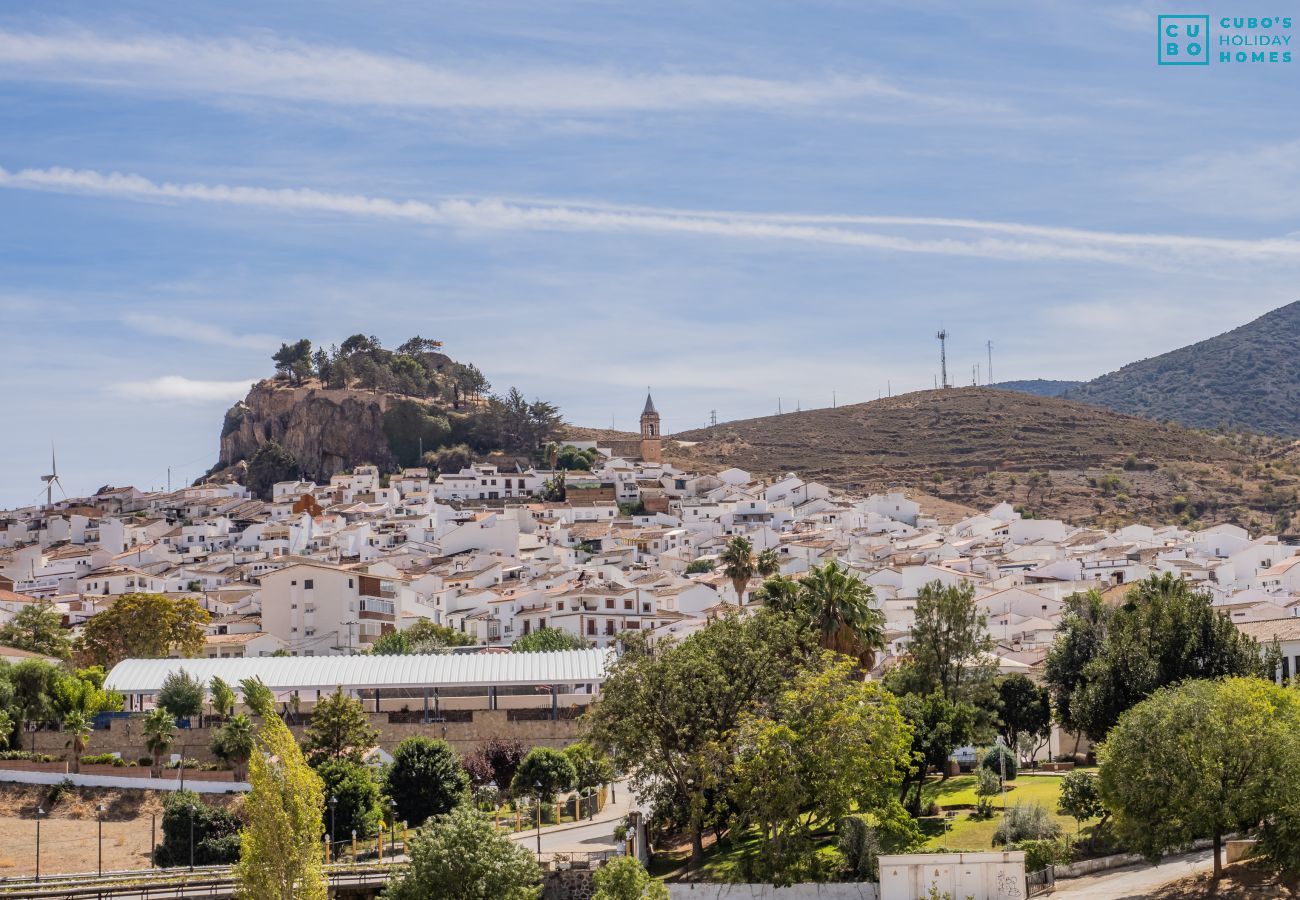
198	332
277	69
180	388
1031	242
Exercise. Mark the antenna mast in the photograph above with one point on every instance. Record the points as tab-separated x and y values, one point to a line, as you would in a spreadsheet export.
943	355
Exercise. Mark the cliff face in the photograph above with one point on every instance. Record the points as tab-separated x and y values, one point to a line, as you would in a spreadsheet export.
326	431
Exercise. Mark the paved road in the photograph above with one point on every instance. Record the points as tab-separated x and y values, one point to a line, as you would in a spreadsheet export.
1133	882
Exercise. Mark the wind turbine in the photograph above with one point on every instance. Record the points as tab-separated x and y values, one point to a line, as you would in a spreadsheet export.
52	479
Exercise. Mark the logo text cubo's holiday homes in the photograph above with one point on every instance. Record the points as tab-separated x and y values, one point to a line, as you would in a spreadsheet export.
1187	40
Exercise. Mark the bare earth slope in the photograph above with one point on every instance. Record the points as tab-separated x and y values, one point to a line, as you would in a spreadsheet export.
977	446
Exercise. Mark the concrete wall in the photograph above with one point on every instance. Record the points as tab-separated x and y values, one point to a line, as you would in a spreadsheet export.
116	781
858	890
465	737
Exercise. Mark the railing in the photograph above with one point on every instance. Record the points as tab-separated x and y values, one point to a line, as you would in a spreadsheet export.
1041	882
201	881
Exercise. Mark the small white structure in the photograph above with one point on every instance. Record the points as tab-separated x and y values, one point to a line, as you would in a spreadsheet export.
979	876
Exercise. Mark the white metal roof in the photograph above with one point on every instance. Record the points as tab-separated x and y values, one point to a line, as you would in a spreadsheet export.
282	673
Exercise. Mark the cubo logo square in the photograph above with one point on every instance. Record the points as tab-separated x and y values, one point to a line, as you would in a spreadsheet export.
1183	40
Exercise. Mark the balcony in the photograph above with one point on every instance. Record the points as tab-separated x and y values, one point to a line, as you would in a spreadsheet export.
377	609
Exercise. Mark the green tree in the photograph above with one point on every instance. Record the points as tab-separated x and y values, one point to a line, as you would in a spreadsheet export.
282	853
767	563
938	728
423	637
215	831
294	361
1079	640
339	729
82	690
181	694
460	854
78	727
832	744
355	793
233	744
739	565
426	779
698	566
223	697
34	682
624	878
38	628
1026	710
159	732
782	595
257	696
1202	759
950	642
143	626
667	717
548	639
545	772
1080	797
591	766
269	465
1163	634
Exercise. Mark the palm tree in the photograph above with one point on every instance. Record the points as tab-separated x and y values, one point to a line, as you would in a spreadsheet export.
781	595
768	563
840	606
159	732
738	564
233	743
78	726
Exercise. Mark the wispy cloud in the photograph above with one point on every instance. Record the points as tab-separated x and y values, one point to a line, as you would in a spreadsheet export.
180	388
273	68
1032	242
197	332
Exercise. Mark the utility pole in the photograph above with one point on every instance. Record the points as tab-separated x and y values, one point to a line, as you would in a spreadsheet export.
350	624
713	418
989	345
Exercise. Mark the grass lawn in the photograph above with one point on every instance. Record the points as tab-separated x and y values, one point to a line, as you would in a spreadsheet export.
966	833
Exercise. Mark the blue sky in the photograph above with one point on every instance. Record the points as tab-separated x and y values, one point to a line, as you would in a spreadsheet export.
732	202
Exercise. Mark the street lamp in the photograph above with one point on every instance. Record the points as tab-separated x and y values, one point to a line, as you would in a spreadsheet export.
99	814
392	841
539	819
334	801
193	812
40	811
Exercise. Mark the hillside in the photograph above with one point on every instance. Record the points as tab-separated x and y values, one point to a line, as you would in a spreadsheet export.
1042	387
977	446
1247	379
329	411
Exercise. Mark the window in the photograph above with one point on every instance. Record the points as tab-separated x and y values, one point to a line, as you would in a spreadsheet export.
634	624
293	605
609	603
308	585
609	626
627	604
293	584
591	626
645	607
349	582
559	604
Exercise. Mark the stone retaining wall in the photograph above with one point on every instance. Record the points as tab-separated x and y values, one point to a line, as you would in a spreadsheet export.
126	736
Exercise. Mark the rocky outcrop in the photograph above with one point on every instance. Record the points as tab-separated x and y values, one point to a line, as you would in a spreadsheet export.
326	431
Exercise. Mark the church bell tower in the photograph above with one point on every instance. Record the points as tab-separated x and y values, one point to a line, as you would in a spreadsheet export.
651	439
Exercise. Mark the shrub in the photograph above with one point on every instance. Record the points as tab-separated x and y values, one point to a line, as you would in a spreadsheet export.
994	758
1039	854
216	832
426	779
696	566
102	759
1025	822
356	793
182	694
58	791
624	878
988	788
